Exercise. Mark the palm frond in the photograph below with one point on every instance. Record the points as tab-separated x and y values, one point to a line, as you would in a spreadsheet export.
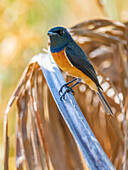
42	136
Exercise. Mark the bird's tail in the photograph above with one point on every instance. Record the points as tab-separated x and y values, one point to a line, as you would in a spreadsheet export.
104	102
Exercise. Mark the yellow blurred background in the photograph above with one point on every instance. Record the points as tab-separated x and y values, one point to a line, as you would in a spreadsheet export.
23	33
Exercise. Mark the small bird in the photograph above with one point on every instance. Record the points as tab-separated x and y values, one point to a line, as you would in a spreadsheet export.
69	56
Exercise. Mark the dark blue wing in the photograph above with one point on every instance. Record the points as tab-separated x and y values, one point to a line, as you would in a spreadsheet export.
79	59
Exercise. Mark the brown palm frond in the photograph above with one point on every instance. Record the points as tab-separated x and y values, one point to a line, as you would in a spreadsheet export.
42	137
41	132
105	43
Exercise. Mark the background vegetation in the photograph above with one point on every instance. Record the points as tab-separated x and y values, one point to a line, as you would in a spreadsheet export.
23	29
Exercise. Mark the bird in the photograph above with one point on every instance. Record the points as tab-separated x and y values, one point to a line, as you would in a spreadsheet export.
70	58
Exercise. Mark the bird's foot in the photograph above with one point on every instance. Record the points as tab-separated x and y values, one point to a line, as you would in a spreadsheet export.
61	89
68	90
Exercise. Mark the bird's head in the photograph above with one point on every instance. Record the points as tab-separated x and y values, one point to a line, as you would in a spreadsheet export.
59	38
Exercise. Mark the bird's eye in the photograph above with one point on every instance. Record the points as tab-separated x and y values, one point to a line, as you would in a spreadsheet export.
60	32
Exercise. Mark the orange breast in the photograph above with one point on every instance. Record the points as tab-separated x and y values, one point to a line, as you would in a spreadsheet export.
63	62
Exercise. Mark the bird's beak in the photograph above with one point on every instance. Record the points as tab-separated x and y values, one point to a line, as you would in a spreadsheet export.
51	33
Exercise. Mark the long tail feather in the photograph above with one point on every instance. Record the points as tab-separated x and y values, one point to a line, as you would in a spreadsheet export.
104	103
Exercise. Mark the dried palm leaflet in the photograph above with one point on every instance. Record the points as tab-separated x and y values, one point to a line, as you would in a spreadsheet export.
101	40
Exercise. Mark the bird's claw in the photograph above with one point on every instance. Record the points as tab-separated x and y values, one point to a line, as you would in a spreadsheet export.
68	90
61	89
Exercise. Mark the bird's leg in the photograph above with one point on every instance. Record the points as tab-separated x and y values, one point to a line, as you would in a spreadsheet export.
66	85
69	89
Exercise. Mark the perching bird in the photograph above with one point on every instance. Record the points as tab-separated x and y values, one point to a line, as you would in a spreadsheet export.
69	56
